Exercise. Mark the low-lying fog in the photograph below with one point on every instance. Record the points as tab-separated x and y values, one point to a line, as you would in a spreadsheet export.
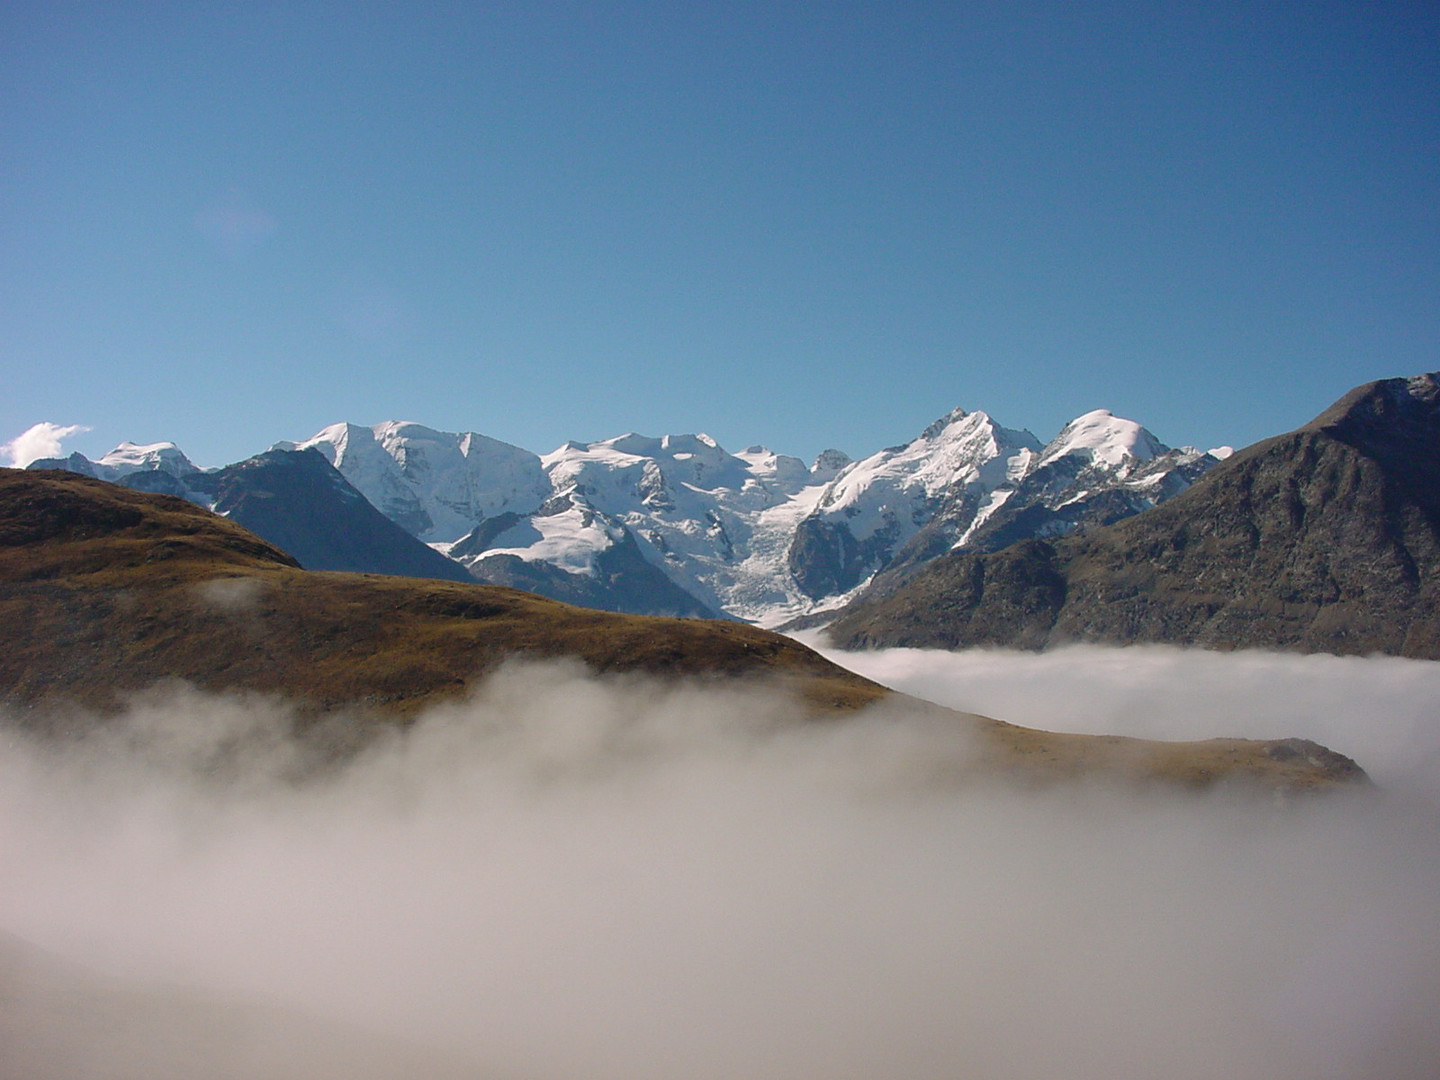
569	877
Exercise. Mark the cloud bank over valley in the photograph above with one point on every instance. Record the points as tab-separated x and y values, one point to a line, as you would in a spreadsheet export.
570	876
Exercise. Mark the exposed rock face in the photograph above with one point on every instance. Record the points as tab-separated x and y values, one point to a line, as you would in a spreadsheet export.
825	559
1323	540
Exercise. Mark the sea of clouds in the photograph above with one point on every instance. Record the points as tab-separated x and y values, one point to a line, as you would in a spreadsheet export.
577	877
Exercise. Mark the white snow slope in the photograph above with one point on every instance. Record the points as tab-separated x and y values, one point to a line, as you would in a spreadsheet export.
434	484
129	458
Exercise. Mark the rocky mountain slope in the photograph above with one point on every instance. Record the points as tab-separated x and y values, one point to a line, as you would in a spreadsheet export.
677	525
1324	539
119	589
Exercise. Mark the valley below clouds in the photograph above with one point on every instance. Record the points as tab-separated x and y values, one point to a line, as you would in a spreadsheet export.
567	876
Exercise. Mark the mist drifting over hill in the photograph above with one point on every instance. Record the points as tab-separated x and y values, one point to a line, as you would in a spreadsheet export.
566	876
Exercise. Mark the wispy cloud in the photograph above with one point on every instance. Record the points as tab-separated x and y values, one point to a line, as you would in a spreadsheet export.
41	441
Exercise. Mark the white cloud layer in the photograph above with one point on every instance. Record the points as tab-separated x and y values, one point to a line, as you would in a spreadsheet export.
41	441
574	877
1382	711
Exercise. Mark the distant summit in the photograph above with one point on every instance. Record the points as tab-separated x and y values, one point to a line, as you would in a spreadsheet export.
299	503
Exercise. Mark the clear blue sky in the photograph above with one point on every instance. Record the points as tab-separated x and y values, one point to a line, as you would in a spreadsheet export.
798	224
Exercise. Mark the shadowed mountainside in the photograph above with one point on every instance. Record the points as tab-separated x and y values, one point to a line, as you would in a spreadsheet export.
297	501
1326	539
117	590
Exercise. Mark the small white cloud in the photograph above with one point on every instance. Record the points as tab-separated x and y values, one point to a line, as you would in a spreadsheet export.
41	441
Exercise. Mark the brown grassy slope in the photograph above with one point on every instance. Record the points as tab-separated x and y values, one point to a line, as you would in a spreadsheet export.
105	591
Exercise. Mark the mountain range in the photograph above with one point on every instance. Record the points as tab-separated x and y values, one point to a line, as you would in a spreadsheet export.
674	525
1325	539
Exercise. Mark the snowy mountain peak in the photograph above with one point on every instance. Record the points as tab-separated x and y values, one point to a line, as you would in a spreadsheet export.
131	457
1104	439
959	449
780	470
435	484
617	465
634	444
954	416
676	524
874	507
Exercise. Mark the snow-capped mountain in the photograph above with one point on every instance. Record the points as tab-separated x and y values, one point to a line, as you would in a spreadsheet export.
1322	539
756	535
434	484
126	459
874	507
679	525
1098	470
691	509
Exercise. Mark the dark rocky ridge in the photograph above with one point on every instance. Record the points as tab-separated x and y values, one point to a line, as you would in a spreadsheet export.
1326	539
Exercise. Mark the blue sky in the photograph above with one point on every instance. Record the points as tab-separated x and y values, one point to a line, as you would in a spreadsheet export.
798	224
